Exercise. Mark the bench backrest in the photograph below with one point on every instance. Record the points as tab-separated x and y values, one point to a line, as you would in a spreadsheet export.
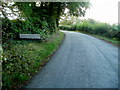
30	36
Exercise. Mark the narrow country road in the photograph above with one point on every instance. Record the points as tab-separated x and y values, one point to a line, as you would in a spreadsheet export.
82	61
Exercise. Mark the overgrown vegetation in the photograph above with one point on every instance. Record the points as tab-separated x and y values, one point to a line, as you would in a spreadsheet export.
24	59
43	19
12	28
95	28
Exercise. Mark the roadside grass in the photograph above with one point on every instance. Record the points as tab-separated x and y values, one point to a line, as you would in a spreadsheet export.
113	41
25	58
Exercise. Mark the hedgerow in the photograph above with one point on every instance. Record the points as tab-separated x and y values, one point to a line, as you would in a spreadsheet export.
94	27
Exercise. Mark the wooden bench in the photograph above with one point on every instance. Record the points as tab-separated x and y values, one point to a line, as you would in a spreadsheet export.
29	36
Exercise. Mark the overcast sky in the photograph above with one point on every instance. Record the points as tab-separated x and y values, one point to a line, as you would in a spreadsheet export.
104	11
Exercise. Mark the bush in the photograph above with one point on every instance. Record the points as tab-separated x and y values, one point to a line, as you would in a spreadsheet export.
85	27
12	28
93	27
65	27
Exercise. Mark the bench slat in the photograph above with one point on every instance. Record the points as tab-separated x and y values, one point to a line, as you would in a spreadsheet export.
30	36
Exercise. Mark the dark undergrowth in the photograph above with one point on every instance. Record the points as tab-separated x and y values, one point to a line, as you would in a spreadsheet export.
24	58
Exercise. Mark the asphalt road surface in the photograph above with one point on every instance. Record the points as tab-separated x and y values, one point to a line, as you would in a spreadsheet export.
82	61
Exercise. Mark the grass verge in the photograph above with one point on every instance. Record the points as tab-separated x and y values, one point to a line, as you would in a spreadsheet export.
25	58
114	41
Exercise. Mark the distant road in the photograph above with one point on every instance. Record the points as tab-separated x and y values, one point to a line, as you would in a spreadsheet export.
82	61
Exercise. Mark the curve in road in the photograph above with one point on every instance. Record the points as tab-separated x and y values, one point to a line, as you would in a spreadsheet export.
82	61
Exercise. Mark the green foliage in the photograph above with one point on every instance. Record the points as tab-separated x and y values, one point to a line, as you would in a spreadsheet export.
78	8
41	20
65	27
12	28
24	58
93	27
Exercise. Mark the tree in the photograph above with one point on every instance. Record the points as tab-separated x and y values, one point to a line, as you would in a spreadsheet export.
47	15
67	20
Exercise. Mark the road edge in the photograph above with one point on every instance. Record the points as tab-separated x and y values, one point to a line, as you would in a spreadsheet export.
44	63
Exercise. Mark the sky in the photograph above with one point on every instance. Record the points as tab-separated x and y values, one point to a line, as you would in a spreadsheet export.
103	11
